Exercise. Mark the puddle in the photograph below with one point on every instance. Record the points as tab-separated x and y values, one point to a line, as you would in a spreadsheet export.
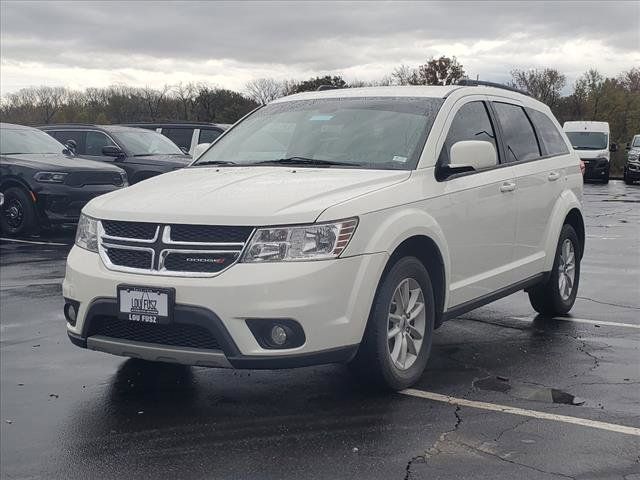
528	392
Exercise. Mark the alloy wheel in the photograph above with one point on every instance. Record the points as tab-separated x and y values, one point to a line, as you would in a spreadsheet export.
406	323
566	269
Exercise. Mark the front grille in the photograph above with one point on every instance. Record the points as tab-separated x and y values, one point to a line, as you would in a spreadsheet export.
209	233
173	334
135	230
175	249
203	262
130	258
78	179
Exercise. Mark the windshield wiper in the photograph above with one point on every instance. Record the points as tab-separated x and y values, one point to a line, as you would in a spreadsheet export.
305	161
214	162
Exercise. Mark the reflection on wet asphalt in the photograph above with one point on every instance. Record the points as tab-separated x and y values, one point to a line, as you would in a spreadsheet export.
71	413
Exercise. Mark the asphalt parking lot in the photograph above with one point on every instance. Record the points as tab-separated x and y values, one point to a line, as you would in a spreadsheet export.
506	394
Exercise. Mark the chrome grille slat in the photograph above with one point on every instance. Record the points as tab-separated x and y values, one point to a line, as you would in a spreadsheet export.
170	256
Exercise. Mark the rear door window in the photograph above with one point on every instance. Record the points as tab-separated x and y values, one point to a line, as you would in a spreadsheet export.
549	135
78	136
179	136
518	135
208	135
471	122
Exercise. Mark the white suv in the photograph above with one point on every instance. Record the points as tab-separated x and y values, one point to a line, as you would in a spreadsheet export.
334	226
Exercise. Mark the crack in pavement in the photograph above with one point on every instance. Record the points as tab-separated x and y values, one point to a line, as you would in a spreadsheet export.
433	450
513	462
609	303
513	427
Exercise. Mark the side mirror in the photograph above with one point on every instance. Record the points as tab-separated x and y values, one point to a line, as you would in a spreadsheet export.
112	151
71	146
200	149
628	147
613	147
472	154
185	150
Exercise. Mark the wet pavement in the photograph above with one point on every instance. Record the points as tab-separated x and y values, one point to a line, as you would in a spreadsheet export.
73	413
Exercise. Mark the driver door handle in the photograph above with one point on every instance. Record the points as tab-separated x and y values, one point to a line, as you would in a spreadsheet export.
508	187
553	176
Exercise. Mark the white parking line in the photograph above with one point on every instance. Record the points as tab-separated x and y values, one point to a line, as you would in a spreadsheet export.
583	320
34	242
612	427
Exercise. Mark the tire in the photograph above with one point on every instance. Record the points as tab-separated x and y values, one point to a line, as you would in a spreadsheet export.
605	180
627	180
374	361
547	298
18	216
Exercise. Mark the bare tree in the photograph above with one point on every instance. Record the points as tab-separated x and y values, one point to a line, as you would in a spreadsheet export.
186	96
263	90
49	100
405	75
546	85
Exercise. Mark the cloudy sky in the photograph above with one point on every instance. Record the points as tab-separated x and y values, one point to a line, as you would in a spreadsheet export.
80	44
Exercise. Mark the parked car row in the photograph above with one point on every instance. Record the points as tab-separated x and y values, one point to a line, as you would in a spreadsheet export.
45	180
632	166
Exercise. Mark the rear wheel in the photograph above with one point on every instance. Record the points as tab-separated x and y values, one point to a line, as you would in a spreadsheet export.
397	341
557	295
18	216
626	178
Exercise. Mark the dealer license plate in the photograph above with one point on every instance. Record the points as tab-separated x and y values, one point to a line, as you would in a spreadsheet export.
145	304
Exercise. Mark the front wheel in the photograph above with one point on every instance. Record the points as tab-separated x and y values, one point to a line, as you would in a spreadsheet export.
557	295
397	340
18	214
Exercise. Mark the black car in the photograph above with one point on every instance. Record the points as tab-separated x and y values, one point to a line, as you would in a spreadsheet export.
141	153
187	135
42	184
632	166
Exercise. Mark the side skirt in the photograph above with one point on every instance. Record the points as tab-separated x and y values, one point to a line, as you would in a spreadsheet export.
492	297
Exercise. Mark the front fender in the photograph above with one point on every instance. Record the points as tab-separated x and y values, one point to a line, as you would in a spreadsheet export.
385	230
565	203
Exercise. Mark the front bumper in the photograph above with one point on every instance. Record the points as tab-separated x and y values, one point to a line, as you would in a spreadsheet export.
60	204
632	171
596	168
330	299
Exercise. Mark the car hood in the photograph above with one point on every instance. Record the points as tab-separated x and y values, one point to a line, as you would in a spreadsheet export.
57	162
591	154
240	195
176	160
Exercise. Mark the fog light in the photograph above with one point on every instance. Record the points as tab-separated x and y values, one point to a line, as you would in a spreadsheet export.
278	335
71	311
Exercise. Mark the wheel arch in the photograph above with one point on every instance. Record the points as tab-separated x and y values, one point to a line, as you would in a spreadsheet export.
574	218
568	209
425	249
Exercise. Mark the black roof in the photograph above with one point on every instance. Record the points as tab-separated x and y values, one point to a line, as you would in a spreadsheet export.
177	124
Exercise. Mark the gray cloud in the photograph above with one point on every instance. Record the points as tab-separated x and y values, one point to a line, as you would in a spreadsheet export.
316	37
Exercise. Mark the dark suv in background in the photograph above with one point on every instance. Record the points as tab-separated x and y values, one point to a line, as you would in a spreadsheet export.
42	184
187	135
141	153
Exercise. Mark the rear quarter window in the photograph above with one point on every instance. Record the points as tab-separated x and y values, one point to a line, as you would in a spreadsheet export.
550	137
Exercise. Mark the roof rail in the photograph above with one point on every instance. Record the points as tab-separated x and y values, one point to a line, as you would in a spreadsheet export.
481	83
322	88
80	124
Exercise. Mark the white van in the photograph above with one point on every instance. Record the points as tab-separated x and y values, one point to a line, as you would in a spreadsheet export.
592	141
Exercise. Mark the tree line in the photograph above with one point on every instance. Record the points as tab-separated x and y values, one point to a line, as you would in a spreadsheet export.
592	96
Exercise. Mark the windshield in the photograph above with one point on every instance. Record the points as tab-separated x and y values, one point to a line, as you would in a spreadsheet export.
141	142
26	140
377	133
636	141
588	140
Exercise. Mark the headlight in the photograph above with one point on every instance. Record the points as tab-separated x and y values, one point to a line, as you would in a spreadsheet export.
87	233
318	241
50	177
123	180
